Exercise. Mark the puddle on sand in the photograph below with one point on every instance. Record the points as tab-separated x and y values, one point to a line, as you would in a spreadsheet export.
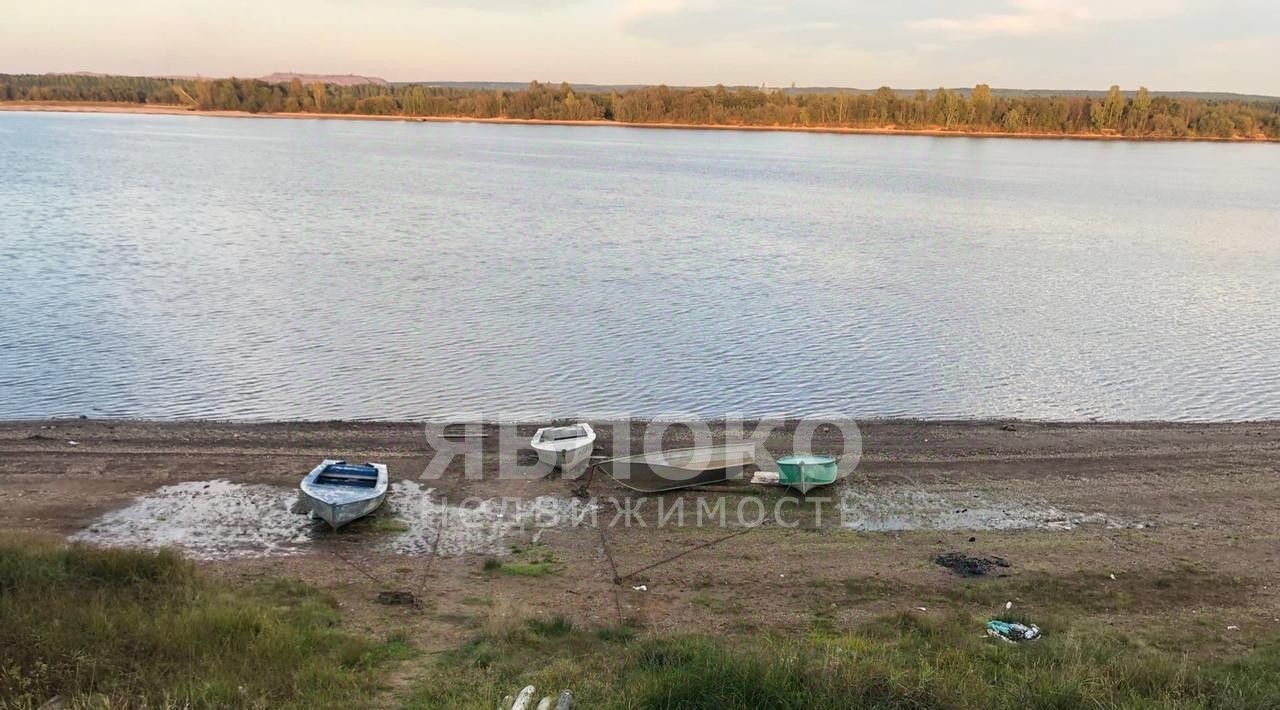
480	527
910	509
221	519
208	520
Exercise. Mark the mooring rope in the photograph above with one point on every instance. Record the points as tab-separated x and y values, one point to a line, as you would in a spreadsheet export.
357	567
678	555
435	547
583	491
613	567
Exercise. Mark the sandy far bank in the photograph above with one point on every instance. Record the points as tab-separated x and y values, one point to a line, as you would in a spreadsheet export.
885	131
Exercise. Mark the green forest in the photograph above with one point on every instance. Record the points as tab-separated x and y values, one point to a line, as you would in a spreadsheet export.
1140	114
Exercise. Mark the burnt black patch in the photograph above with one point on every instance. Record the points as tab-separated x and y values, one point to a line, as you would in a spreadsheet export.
970	565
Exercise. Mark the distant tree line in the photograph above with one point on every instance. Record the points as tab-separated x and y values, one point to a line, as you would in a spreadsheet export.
1141	114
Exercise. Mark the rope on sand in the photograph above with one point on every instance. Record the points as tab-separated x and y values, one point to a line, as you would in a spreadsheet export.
682	553
583	491
357	567
435	548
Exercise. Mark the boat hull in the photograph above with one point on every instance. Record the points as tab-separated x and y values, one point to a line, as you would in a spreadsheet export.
681	468
568	461
339	505
805	473
569	455
339	514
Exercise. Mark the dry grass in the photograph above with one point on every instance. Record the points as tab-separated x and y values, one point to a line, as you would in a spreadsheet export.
124	628
502	619
899	661
129	629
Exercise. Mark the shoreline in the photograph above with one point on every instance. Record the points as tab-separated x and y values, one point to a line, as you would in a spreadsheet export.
784	422
153	109
1089	509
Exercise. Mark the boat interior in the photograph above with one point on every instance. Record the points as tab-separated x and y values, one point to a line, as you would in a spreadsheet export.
560	433
353	476
712	459
668	470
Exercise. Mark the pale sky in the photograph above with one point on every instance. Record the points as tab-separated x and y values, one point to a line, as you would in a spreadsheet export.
1228	45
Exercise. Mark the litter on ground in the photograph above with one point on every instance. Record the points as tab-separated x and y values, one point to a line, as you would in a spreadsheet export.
1012	632
523	700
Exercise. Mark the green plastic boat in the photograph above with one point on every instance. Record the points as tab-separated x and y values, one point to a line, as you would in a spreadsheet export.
806	472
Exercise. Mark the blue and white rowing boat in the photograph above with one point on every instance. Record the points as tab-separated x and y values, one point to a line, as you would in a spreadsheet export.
339	492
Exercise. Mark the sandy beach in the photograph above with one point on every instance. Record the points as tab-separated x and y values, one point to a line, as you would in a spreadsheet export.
1144	503
888	131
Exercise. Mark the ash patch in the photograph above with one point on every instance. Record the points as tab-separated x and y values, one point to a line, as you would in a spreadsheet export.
206	520
970	566
478	527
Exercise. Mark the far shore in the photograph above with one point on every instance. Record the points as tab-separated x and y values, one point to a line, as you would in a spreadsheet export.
155	109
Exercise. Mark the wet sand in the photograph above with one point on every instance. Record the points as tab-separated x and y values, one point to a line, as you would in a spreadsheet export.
155	109
1148	501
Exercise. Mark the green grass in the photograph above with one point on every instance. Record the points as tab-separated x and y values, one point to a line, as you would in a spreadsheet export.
528	569
534	561
616	634
715	604
899	661
130	629
113	628
555	627
384	524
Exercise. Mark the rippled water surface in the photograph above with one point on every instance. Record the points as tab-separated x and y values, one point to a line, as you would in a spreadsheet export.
168	266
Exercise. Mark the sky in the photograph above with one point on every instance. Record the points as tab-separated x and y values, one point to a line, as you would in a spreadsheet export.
1201	45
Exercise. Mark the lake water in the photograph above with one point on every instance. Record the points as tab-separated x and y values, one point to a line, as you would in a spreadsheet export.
180	267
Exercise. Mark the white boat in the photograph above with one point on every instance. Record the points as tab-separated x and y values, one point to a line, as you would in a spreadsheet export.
339	492
567	448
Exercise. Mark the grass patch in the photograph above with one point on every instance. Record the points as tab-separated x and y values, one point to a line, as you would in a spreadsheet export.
898	661
528	569
124	628
715	604
534	561
555	627
384	524
616	634
1096	593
